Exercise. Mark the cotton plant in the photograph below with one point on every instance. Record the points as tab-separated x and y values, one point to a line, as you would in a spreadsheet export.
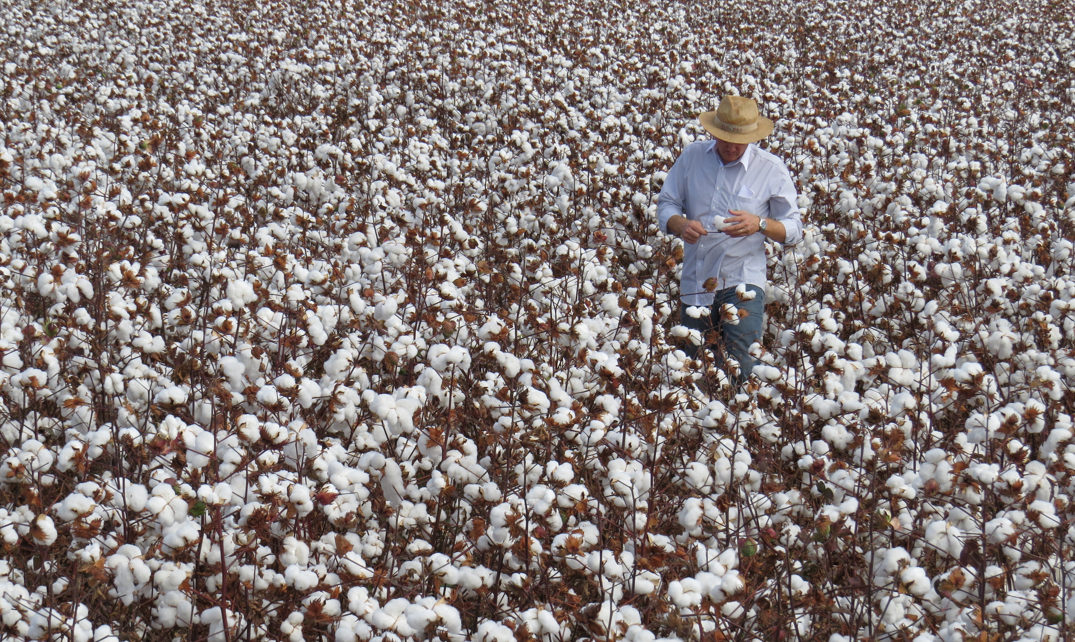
368	331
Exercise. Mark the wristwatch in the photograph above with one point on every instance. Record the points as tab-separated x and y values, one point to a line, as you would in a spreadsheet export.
763	223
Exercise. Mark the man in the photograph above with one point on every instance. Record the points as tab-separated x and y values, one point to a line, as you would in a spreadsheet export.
724	198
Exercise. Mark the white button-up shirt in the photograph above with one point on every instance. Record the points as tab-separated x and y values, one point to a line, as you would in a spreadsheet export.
700	187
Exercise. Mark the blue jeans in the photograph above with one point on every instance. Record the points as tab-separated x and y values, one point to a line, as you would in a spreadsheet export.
733	340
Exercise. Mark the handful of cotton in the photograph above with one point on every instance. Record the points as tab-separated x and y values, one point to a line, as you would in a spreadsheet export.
714	223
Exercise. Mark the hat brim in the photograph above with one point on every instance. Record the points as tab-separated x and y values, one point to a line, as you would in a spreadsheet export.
708	120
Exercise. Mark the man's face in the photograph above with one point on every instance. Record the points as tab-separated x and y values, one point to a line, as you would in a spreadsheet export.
730	152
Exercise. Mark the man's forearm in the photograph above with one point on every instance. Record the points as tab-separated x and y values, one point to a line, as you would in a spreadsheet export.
676	224
775	231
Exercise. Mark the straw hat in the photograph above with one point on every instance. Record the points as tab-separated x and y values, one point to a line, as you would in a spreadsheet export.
737	121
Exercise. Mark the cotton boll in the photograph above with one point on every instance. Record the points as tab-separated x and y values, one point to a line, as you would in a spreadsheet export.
241	293
43	530
697	476
682	597
985	473
837	435
646	582
744	294
200	447
130	573
391	617
945	537
173	395
491	631
309	391
916	581
300	498
392	483
901	402
249	428
559	472
385	309
216	617
300	579
74	506
1046	514
180	536
135	497
418	617
731	583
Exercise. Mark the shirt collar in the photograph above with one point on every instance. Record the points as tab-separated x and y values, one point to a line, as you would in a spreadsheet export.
744	159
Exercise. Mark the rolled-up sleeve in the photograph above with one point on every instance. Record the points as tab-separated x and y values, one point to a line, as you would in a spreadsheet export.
784	207
671	200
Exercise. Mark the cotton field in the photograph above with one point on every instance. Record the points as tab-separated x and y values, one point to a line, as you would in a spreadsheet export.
352	322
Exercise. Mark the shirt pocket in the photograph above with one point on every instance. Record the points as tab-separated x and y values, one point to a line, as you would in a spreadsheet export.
756	206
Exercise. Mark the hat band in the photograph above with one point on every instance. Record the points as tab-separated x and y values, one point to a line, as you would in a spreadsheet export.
735	129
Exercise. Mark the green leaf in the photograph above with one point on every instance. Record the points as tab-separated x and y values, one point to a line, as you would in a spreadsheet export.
198	509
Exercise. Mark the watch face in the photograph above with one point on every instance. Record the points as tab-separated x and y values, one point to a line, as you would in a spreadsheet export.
763	224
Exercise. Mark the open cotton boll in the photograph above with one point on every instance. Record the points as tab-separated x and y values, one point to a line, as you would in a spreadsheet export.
130	573
697	311
241	293
386	309
133	496
442	357
174	395
1046	514
180	536
916	581
697	476
743	294
999	529
74	506
391	617
200	445
392	484
685	594
216	617
309	392
901	402
300	498
43	530
945	537
491	631
890	561
540	499
731	582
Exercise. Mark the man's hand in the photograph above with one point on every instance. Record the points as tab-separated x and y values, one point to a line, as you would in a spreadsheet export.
741	223
686	229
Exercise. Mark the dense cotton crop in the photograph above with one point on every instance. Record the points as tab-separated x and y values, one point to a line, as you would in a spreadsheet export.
352	321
